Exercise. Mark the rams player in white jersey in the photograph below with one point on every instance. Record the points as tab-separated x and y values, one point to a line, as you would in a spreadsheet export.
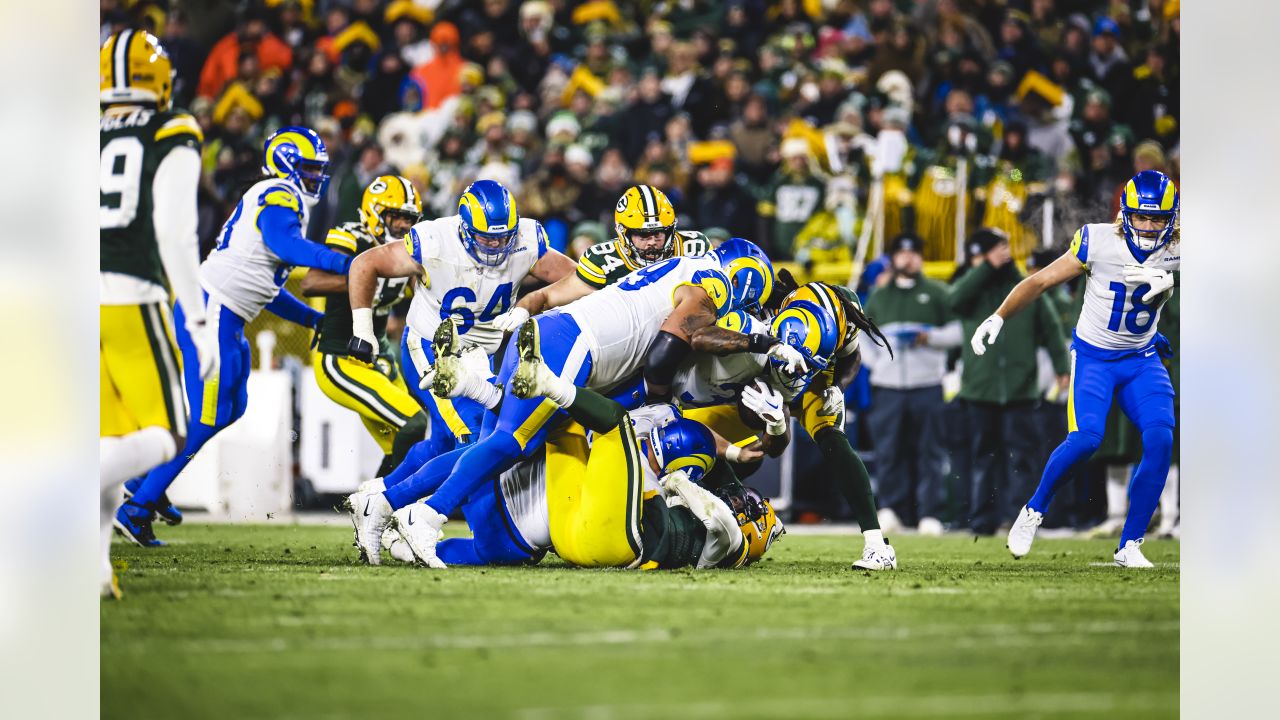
599	342
244	275
467	268
150	170
1116	353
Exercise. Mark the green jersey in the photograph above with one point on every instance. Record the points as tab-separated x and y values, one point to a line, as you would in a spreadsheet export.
132	146
605	264
354	238
791	201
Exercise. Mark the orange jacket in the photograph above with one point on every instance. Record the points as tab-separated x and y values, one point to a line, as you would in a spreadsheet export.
220	67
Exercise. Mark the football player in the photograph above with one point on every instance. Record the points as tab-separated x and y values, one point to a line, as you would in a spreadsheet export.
467	269
244	275
630	501
645	224
1129	275
149	172
376	392
600	341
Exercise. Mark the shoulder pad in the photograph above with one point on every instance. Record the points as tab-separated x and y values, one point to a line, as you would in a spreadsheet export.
180	125
1080	245
716	286
413	244
342	238
735	320
542	238
282	196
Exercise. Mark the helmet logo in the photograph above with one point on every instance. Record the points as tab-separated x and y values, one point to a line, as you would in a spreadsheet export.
622	203
378	186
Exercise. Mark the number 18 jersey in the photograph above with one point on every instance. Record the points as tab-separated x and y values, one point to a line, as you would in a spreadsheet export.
454	284
1117	315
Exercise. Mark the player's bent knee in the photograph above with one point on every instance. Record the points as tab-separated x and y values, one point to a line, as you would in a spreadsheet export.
1086	440
1158	441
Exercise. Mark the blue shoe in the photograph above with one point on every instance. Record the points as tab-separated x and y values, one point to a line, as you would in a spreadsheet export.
167	511
134	523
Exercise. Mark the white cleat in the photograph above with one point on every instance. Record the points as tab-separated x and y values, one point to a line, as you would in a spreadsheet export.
1131	555
420	527
930	526
111	587
889	521
370	514
1023	532
375	485
396	546
877	557
529	379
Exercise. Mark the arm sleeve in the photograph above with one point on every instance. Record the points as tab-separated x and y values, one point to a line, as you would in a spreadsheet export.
174	216
288	307
282	232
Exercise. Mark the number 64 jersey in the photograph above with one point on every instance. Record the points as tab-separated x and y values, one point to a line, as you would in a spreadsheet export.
1117	315
454	284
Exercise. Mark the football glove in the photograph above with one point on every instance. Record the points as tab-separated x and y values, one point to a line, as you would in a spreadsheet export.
790	358
766	403
833	403
986	334
511	320
363	345
206	344
1159	280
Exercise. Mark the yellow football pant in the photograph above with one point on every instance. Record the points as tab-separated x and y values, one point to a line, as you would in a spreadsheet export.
139	370
594	498
380	398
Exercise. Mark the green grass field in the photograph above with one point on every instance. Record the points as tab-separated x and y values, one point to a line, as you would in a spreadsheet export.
281	621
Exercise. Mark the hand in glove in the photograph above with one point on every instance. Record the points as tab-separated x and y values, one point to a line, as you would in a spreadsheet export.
791	359
833	403
986	334
767	404
511	320
1159	280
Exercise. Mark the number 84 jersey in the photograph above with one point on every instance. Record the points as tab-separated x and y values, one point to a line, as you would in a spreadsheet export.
1117	315
454	285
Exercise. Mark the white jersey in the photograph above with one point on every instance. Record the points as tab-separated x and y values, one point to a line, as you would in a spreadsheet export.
619	322
704	380
242	273
454	284
1114	316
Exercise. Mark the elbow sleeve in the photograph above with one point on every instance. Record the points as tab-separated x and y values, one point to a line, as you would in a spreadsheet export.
664	356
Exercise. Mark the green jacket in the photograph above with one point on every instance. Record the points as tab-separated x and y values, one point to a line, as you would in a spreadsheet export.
1007	372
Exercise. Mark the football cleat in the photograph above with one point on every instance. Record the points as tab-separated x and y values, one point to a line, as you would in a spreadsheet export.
877	557
370	515
111	587
1131	555
1023	532
448	366
134	523
419	526
376	485
396	547
164	507
527	381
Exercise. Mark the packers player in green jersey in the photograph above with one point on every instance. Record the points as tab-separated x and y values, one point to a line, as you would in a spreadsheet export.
390	206
645	222
148	174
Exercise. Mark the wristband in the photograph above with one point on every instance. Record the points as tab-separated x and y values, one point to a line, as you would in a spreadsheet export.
362	322
776	429
732	453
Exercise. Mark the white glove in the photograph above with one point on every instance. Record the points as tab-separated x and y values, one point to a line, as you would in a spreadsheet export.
511	319
986	334
833	403
793	362
766	403
206	344
1159	280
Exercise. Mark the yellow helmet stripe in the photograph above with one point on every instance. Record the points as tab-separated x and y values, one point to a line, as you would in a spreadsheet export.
120	68
478	219
512	216
697	460
1131	195
1166	202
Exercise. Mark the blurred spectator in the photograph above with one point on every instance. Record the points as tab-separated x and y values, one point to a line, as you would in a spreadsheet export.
791	198
441	76
998	389
723	201
914	314
250	37
1108	63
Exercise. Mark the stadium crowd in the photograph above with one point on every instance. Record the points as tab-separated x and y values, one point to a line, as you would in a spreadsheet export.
771	120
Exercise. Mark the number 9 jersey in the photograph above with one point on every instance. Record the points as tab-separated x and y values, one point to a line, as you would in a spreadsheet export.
1117	315
454	284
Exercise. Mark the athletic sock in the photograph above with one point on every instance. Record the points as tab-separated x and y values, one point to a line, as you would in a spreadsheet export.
126	457
872	538
1148	481
1076	447
594	411
851	477
559	391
